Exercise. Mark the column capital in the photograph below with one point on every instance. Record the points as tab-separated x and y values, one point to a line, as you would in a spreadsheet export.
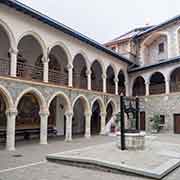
87	114
116	79
88	72
13	51
103	114
45	59
69	66
11	111
103	76
44	113
68	114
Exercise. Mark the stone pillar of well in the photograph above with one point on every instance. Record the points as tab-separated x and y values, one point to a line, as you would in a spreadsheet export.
70	75
11	124
43	127
88	73
88	124
13	63
104	83
103	122
116	80
69	116
45	61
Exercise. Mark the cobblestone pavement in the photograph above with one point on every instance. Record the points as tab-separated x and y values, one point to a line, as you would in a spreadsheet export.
34	153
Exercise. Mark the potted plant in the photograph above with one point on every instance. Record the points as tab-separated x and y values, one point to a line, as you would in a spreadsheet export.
155	122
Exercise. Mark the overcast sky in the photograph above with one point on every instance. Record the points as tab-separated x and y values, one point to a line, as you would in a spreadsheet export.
102	20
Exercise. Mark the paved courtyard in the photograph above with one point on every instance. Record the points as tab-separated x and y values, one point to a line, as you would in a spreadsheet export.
31	165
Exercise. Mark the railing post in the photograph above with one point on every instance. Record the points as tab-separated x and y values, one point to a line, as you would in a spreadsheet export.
13	63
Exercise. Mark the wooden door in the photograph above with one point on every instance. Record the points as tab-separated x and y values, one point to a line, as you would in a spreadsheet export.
177	123
142	121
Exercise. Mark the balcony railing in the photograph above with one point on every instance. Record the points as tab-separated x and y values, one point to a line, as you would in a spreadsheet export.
4	67
79	81
97	85
157	89
175	86
29	72
58	77
110	88
121	90
140	91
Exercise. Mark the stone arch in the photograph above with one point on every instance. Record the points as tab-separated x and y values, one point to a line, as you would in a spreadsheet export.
110	76
156	83
68	103
7	98
80	109
139	87
85	103
114	104
9	33
80	79
113	67
37	94
174	79
101	64
35	36
121	82
85	56
64	47
97	73
148	41
101	103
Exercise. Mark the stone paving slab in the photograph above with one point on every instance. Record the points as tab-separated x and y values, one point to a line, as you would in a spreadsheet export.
156	161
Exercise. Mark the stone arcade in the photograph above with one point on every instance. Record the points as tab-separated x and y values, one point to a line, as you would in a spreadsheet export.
42	86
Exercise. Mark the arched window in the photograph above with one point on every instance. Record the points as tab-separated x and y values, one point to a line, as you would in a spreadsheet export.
157	84
110	80
139	88
121	83
175	80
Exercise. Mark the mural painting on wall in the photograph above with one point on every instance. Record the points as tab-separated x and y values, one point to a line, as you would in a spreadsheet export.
28	112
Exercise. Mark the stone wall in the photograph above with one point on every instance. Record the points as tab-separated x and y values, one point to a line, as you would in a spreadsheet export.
166	105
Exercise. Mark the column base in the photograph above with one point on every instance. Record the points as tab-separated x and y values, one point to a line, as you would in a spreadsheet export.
68	139
87	136
10	148
43	143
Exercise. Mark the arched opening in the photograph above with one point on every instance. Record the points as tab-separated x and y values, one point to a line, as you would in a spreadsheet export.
139	88
29	63
175	80
58	61
96	76
3	120
4	53
155	44
78	121
109	112
79	72
157	84
121	83
28	118
110	80
57	119
96	118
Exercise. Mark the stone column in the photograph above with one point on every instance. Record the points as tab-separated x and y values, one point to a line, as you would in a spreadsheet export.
45	69
11	125
147	88
69	116
126	84
70	75
88	124
104	83
103	122
13	63
43	127
116	80
88	73
167	86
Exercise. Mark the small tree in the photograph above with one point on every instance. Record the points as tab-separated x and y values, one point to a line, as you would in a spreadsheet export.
155	122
